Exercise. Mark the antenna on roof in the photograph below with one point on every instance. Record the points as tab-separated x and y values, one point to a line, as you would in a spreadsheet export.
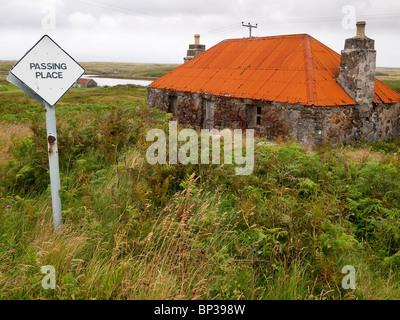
250	26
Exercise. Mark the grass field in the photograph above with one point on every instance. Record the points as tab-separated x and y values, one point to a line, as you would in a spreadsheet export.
390	76
128	69
5	66
138	231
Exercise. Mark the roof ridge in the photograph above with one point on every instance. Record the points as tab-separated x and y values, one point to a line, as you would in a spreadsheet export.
309	69
294	35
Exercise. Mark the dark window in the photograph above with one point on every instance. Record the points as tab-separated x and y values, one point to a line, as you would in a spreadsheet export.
173	103
258	116
208	107
250	113
253	116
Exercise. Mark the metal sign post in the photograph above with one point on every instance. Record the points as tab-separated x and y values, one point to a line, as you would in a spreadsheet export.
46	72
55	183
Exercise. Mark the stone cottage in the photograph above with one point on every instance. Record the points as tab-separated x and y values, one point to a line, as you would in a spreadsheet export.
290	85
85	83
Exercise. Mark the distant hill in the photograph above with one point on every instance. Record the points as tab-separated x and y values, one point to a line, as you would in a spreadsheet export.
128	69
141	70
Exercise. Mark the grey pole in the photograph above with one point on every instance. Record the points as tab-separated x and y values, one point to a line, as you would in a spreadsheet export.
53	165
250	26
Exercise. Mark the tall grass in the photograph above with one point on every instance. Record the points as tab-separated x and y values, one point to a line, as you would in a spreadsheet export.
137	231
9	133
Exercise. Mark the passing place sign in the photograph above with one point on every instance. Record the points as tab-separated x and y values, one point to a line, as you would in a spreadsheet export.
46	72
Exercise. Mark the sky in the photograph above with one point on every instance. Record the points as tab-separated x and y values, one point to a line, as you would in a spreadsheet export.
160	31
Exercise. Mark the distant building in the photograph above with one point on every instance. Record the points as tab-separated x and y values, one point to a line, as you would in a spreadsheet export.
85	83
290	85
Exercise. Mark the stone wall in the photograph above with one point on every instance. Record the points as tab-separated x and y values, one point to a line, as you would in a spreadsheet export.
357	69
194	50
306	124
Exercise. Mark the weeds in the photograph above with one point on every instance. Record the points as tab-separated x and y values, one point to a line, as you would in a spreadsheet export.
137	231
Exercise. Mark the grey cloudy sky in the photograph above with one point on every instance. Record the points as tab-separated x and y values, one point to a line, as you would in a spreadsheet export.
159	31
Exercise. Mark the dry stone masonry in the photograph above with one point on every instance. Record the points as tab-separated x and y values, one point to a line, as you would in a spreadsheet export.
194	49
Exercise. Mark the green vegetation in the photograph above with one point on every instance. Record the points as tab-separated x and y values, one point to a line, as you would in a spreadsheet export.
137	231
390	76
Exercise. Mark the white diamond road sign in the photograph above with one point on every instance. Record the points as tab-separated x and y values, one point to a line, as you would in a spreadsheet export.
46	72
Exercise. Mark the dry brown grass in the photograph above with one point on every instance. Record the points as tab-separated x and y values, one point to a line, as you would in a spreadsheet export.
364	154
8	131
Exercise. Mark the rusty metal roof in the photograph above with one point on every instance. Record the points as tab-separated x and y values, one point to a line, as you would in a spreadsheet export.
83	80
290	68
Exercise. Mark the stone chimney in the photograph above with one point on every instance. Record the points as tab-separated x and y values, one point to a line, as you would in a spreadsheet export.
194	49
357	67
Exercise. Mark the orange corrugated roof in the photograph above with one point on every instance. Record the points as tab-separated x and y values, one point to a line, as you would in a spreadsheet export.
291	68
385	94
83	81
